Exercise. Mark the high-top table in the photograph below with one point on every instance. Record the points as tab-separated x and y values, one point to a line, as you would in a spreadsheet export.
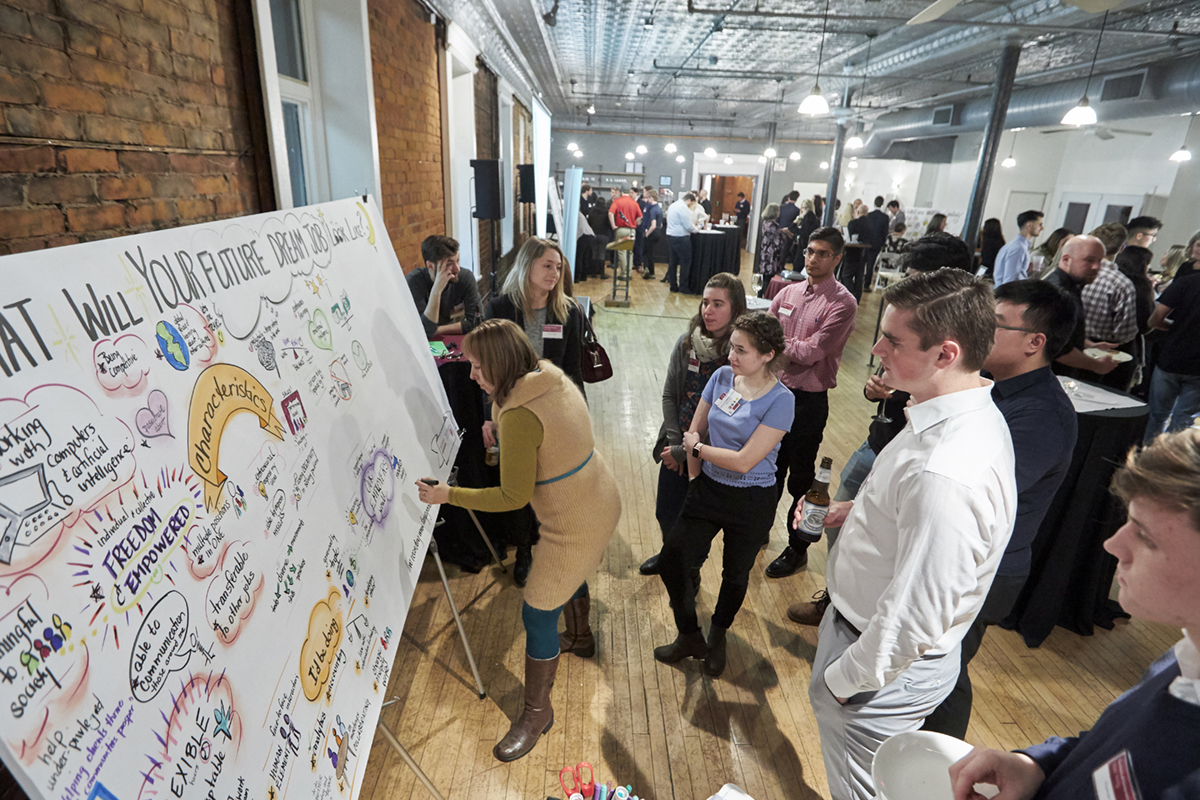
1071	575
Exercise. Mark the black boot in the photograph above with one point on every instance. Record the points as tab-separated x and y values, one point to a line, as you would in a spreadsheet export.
714	662
650	565
522	565
790	561
686	645
577	638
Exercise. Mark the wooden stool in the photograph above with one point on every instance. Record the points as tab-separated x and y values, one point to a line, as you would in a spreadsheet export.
618	277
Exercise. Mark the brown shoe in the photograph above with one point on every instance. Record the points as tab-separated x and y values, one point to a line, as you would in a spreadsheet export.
577	638
809	613
537	717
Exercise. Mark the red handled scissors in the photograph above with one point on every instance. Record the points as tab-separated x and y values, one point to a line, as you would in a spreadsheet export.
578	785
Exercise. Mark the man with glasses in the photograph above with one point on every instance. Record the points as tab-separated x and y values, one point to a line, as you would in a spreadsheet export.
817	315
1034	321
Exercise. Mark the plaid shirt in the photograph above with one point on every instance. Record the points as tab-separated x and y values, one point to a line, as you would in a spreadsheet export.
817	321
1110	307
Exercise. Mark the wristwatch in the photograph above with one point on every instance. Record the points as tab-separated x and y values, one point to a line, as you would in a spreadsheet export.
696	449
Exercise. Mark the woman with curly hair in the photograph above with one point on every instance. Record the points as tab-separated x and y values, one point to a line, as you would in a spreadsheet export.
731	449
696	356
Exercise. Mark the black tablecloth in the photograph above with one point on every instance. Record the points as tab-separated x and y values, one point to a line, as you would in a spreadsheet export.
458	540
1071	574
712	253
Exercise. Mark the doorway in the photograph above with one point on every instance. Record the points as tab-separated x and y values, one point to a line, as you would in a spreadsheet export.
724	193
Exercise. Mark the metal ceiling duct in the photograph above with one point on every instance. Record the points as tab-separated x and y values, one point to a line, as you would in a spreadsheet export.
1158	89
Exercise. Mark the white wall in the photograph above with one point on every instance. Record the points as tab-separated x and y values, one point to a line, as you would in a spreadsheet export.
541	164
460	103
1065	163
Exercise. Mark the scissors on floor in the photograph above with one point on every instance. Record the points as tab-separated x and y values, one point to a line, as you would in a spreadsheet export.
577	786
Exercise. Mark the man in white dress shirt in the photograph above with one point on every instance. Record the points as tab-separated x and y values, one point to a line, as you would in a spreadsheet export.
921	542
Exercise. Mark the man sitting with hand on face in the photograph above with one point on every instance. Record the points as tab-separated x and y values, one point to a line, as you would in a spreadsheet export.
441	289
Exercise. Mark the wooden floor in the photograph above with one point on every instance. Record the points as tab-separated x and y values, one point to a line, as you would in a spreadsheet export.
672	732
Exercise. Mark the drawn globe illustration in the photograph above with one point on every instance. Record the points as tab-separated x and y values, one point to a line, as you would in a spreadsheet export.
172	346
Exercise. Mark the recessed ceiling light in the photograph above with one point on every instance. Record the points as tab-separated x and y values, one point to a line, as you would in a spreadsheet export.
824	165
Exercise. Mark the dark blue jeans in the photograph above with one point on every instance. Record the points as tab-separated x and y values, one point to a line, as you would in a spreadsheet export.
679	257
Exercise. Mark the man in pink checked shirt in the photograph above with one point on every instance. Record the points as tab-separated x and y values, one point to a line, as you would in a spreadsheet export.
817	316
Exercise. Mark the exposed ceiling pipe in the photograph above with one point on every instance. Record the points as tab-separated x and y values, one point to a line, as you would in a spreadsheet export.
1123	58
1170	87
1029	26
686	72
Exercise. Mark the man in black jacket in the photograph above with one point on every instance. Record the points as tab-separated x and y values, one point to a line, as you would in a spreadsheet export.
875	237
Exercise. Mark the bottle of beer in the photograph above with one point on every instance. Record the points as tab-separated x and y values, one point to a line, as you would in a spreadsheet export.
816	503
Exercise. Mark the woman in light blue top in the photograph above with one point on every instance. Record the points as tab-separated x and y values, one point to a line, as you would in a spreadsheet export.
744	411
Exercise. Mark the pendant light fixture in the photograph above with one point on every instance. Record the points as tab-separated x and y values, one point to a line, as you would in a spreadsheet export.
1010	162
815	104
855	142
1183	153
1084	114
629	156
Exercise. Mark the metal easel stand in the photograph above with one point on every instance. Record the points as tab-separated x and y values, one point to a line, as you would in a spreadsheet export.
399	748
433	548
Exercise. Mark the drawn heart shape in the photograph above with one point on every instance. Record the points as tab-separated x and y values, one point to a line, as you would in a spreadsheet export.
319	332
152	420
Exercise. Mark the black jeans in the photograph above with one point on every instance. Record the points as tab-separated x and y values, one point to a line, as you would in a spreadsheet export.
679	255
954	714
648	251
796	465
745	514
672	491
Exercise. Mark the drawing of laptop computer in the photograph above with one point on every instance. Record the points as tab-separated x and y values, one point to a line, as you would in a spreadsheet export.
29	506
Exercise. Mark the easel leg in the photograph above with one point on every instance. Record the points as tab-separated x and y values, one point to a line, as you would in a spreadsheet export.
487	541
457	621
399	748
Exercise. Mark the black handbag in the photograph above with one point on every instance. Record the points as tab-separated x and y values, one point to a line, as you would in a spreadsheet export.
595	363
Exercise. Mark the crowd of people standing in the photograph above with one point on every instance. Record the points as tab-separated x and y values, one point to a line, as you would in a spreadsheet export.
930	532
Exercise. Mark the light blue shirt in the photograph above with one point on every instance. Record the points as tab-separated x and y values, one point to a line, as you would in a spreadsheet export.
679	220
1012	262
775	409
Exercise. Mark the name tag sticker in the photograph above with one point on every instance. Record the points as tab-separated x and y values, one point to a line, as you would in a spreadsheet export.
1114	780
729	401
552	331
786	309
693	362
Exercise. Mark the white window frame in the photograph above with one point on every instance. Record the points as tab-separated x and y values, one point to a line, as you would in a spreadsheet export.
278	88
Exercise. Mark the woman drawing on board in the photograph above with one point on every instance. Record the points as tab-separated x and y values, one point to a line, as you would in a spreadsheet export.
549	461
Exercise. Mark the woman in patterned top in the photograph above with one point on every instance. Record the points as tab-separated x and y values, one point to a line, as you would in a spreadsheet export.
696	356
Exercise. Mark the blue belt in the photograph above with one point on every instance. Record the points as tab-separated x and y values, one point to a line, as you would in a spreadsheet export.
567	474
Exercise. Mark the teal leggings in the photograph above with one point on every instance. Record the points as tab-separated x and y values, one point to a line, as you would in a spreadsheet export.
541	628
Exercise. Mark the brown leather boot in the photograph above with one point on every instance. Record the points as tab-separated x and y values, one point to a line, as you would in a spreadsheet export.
577	638
537	717
809	613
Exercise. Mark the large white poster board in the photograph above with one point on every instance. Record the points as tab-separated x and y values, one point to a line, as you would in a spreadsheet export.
209	533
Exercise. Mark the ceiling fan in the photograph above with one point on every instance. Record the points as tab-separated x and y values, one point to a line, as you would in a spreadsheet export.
1101	131
940	7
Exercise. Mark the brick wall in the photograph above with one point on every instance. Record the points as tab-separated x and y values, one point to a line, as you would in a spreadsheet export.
144	104
487	145
408	117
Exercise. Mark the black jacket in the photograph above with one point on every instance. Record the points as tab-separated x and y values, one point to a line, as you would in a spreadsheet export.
565	353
